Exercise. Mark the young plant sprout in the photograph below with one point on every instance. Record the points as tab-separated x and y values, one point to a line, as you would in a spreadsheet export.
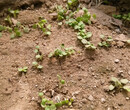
50	105
36	65
23	70
61	81
61	13
39	57
43	25
119	84
73	4
63	52
13	12
105	41
8	20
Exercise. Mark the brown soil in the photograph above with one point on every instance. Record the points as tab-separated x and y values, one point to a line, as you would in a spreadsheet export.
87	73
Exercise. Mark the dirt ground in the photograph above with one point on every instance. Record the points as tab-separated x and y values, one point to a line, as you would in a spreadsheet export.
87	73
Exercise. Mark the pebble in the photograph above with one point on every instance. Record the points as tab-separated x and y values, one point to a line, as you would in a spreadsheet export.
103	100
117	60
127	98
90	98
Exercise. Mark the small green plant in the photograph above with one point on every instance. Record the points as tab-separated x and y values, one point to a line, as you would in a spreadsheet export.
14	13
63	52
61	81
61	13
119	84
44	26
8	20
2	28
23	70
85	17
16	33
105	41
36	65
122	16
39	57
50	105
73	4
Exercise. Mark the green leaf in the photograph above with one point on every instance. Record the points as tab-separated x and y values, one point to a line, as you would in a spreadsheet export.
127	88
114	79
124	81
89	34
48	33
128	42
111	87
26	30
34	63
84	41
39	66
12	36
40	94
79	37
62	81
20	69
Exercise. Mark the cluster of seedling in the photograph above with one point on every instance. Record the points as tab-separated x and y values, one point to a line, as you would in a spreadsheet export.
51	105
119	85
14	27
63	52
61	81
124	16
23	70
106	41
79	25
39	58
43	26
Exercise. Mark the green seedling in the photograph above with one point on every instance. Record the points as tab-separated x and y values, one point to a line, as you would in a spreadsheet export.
39	67
63	52
36	65
50	105
61	13
17	33
122	16
73	4
119	84
8	20
85	17
13	12
90	46
23	70
61	81
26	29
42	24
39	57
2	28
37	50
105	41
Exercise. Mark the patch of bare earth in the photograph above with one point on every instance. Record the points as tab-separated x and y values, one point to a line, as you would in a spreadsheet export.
87	73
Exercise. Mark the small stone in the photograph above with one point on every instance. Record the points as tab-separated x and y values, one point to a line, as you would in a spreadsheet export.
53	16
84	101
90	98
33	98
103	100
117	60
127	98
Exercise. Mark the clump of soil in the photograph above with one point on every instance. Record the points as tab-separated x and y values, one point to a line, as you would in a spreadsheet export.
87	73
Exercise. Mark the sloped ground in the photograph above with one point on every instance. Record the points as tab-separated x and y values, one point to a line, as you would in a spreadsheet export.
87	73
